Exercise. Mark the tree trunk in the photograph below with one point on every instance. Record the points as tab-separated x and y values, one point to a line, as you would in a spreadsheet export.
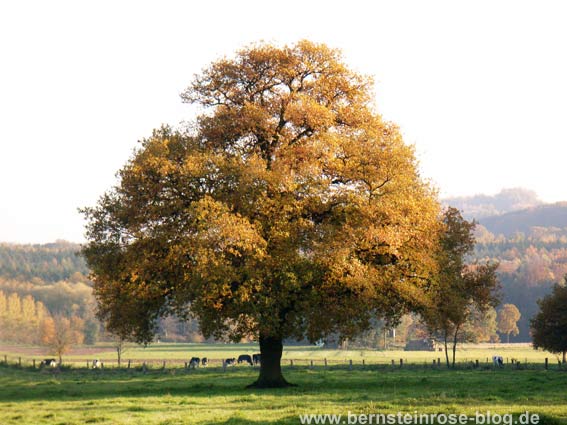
271	349
455	344
446	351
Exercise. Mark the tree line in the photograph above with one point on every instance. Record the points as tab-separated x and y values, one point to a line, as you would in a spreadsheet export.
530	264
27	321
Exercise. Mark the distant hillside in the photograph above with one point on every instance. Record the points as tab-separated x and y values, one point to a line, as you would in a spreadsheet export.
524	221
49	262
480	206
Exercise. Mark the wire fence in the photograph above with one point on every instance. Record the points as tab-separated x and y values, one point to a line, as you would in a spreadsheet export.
147	365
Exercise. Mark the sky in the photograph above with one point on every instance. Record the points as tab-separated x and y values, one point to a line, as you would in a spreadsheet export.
480	89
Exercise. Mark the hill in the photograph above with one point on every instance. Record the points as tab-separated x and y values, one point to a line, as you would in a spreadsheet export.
49	262
550	216
480	206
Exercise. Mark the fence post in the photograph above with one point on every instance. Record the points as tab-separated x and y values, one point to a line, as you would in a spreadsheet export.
19	362
311	364
477	364
163	366
350	364
393	362
223	365
401	362
325	363
129	364
34	363
363	363
291	362
144	368
546	363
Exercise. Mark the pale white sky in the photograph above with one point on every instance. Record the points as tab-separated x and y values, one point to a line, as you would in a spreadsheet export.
480	88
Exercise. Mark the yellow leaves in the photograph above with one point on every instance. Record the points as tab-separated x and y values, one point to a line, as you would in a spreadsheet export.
226	227
306	113
290	193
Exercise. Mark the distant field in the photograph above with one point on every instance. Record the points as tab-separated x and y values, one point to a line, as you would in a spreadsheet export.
174	396
177	354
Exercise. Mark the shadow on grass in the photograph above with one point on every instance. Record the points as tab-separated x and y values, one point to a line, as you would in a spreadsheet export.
337	386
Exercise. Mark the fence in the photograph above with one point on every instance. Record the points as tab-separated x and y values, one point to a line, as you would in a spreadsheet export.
146	365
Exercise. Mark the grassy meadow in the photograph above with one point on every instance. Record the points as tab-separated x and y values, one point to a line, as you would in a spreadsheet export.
76	395
211	396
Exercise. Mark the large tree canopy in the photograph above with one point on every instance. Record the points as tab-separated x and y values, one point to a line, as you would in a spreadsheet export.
289	209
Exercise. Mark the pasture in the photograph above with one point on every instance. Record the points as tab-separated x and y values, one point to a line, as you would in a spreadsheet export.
211	396
76	395
177	354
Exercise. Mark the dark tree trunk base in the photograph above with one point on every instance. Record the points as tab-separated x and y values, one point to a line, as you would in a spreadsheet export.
271	384
271	349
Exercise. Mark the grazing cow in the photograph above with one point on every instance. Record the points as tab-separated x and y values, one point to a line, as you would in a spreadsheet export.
204	362
245	358
49	363
498	361
230	362
194	362
97	364
256	359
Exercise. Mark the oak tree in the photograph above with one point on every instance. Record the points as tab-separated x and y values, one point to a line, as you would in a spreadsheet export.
289	209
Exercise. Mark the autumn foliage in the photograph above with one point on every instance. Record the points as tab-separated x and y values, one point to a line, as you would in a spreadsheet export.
289	209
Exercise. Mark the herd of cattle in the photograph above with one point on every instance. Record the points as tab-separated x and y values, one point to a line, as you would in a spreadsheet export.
253	360
195	362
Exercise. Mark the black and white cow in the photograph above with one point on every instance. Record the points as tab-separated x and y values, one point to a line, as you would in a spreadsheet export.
204	362
256	359
194	362
498	361
245	358
49	363
230	362
97	364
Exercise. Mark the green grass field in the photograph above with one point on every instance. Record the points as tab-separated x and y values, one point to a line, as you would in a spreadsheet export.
76	395
212	396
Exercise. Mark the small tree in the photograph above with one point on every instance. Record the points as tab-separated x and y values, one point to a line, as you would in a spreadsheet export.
460	290
58	335
120	345
508	318
549	325
481	326
91	331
